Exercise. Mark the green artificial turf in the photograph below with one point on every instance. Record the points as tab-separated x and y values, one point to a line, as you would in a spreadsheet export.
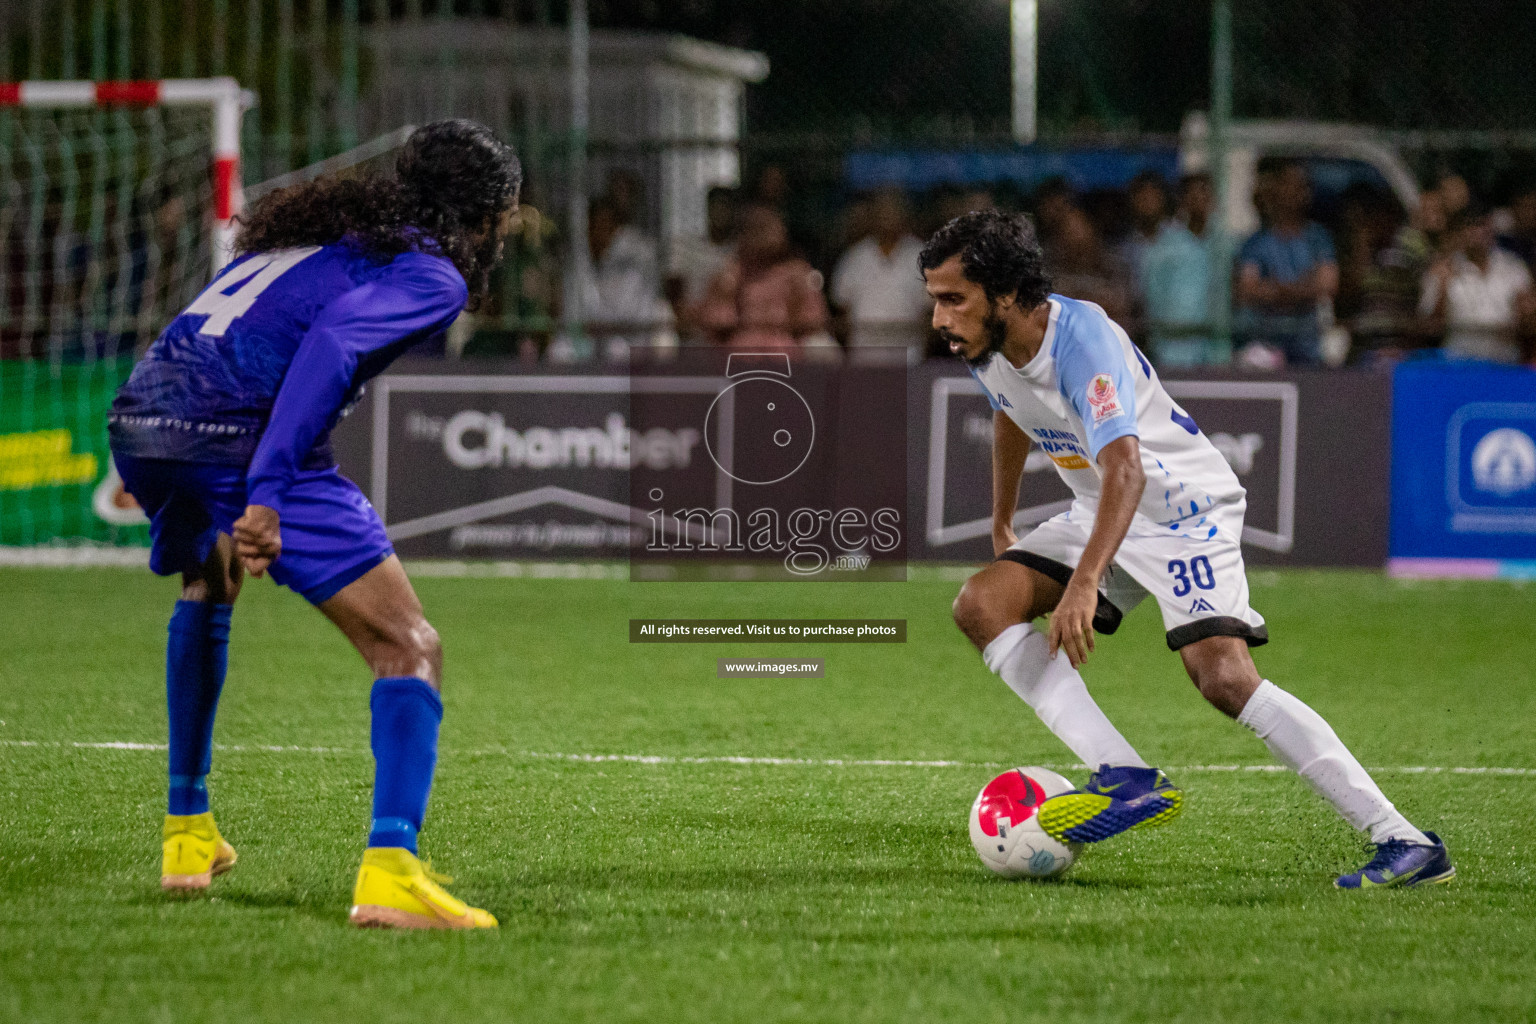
720	892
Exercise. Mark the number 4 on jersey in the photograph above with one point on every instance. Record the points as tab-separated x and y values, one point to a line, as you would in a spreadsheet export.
254	276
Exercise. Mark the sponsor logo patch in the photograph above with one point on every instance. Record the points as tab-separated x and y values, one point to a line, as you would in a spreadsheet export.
1103	399
1070	461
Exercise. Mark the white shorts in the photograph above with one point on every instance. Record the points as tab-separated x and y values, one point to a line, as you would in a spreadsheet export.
1195	571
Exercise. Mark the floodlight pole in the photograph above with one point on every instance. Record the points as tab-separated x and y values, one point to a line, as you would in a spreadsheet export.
578	257
1025	32
1216	161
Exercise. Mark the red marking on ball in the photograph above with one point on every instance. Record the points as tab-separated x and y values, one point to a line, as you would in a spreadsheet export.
1012	795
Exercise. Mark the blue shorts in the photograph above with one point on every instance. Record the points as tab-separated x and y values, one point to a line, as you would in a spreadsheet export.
331	534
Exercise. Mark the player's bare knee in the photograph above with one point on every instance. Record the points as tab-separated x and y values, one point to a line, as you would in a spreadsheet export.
210	590
218	580
430	649
1226	682
964	606
975	613
409	648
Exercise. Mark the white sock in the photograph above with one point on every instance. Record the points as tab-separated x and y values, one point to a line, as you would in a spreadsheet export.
1051	686
1300	738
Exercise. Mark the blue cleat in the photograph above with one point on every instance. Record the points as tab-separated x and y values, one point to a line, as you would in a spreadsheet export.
1398	862
1115	800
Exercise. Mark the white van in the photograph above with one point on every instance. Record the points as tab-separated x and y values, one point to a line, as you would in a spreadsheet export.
1335	156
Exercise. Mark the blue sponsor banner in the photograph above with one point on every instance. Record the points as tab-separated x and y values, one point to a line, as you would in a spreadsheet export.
1463	469
1085	169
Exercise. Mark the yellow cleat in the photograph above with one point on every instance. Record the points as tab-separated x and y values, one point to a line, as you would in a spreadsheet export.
395	891
193	852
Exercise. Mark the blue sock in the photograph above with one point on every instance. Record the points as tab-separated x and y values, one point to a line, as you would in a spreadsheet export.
406	714
196	657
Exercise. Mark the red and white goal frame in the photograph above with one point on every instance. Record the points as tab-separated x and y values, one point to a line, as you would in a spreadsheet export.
226	103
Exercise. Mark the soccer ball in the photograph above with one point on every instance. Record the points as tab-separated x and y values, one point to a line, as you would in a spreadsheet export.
1004	829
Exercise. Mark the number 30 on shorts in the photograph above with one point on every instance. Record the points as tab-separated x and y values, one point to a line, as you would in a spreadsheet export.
1199	570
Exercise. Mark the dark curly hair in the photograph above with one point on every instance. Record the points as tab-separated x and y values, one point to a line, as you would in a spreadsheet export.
452	180
997	250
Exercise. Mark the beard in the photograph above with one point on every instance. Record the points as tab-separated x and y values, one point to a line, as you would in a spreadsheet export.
994	330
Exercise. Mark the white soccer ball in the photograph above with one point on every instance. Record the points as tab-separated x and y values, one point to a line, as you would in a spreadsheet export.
1004	829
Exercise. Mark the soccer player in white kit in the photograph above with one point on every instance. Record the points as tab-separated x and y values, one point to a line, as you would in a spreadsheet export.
1156	511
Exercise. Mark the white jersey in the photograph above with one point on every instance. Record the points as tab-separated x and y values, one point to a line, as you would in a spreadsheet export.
1089	385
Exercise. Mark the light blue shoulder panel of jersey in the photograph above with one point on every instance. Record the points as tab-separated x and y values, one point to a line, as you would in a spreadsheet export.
1092	373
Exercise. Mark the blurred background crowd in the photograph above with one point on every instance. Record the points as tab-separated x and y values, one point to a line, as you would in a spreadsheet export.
762	172
1358	278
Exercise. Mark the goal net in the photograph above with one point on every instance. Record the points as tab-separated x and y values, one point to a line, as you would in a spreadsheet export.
116	202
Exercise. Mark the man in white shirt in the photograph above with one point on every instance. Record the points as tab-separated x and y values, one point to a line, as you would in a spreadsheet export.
621	293
1157	511
694	261
877	283
1480	296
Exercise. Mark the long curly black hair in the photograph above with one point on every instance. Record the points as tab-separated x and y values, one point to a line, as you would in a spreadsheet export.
452	182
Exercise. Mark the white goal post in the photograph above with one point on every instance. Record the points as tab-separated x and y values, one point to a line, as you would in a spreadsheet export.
118	203
223	97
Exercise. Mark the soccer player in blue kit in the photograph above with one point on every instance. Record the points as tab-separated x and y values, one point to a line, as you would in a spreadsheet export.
1156	511
222	436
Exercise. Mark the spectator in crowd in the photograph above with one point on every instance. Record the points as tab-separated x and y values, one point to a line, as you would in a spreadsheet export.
771	187
1147	195
1430	219
1176	282
1082	268
1520	239
621	293
1479	295
977	198
877	284
765	297
1455	195
1264	177
1382	263
1286	271
525	288
1053	202
949	204
626	192
694	262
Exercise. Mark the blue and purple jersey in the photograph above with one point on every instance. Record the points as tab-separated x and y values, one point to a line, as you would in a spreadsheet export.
262	365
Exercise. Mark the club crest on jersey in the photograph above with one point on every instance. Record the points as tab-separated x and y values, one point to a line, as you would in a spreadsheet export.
1103	399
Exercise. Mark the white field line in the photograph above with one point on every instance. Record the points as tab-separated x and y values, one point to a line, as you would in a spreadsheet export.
735	759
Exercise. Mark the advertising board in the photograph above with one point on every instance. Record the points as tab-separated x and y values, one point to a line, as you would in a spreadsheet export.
1463	470
470	460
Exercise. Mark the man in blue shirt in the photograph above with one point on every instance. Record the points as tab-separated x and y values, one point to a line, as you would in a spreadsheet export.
1176	280
1286	270
222	435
